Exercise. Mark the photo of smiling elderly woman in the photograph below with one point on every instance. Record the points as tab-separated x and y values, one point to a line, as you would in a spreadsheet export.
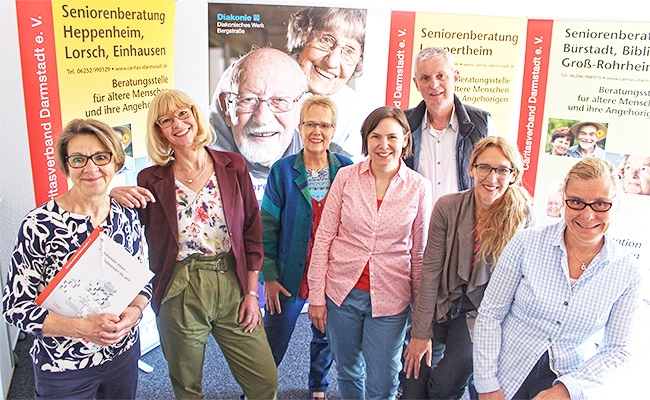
327	43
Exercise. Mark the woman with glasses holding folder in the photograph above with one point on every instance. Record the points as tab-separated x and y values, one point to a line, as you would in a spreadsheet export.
89	154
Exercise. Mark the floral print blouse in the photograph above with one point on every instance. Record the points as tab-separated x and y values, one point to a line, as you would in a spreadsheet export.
201	220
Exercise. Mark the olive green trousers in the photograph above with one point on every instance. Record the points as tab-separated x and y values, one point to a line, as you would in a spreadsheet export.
202	297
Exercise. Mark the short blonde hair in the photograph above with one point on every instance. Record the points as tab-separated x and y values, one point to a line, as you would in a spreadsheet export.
165	103
100	130
319	101
594	168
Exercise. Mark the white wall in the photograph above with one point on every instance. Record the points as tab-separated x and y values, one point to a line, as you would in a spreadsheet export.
16	194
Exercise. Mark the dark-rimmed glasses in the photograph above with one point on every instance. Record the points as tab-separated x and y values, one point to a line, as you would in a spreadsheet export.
79	161
311	126
484	170
598	206
328	43
168	120
249	103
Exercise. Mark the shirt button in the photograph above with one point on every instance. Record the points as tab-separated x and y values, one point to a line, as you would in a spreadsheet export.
566	303
558	322
319	205
550	340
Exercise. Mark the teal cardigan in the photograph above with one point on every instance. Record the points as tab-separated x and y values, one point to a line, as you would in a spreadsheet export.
287	218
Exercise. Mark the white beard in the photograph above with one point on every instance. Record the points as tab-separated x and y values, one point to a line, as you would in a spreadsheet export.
586	146
258	153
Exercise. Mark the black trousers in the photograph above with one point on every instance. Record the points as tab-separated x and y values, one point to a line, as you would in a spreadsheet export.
539	379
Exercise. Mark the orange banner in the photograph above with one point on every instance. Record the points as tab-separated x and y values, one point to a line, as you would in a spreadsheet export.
41	87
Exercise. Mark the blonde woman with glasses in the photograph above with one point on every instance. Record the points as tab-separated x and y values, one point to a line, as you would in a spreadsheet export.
467	233
204	236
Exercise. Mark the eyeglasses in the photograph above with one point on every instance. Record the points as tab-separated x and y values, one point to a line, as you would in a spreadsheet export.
248	104
79	161
311	126
328	43
598	206
168	120
484	170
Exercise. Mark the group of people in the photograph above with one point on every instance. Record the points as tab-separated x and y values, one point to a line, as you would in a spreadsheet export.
426	244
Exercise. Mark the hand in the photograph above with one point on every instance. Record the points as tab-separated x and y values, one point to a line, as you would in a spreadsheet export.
92	328
132	196
318	316
249	313
416	349
113	332
558	391
272	291
496	395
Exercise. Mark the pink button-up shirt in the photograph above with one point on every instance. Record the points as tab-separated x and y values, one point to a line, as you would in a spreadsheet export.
353	231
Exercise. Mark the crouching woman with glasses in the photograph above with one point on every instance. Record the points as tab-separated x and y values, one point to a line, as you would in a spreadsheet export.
553	288
467	233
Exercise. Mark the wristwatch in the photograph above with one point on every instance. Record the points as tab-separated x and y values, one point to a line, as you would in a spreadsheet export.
253	293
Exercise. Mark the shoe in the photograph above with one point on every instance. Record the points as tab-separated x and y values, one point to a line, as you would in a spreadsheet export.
318	396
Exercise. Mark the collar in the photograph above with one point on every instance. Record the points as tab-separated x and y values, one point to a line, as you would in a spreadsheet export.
607	252
364	168
453	121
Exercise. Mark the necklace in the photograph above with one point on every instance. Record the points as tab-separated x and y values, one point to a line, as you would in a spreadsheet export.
205	164
314	172
584	264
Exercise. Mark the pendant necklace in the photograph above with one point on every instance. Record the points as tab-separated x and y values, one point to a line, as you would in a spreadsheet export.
584	265
314	172
205	164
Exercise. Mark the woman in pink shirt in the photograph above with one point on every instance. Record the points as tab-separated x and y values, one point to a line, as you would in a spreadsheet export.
367	258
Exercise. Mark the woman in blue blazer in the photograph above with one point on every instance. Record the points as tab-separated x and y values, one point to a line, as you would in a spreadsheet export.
294	198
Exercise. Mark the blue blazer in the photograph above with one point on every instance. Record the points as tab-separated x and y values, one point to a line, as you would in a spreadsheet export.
287	220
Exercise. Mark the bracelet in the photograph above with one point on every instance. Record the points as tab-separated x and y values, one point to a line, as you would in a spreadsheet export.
253	293
141	312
